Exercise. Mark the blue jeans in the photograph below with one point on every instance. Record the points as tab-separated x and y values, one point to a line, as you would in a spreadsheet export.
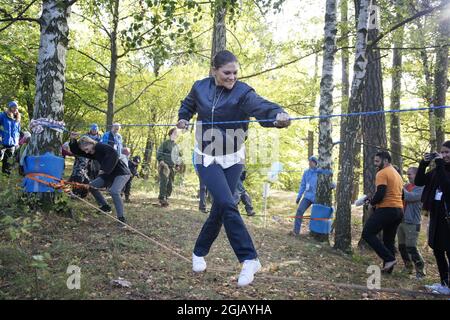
304	205
221	183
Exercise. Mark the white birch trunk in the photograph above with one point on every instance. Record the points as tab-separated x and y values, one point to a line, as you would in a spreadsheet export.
346	164
50	74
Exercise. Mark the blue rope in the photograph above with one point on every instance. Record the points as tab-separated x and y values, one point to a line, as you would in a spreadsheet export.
354	114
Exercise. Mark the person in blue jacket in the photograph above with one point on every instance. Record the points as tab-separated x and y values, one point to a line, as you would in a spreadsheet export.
307	190
220	154
114	139
10	135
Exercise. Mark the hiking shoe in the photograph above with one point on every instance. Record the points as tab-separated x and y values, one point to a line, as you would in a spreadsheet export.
443	290
127	200
163	203
106	208
204	210
249	268
433	287
122	219
251	213
420	275
389	266
198	263
293	234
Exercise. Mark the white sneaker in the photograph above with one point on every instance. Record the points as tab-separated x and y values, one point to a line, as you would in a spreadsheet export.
198	263
444	290
433	287
249	268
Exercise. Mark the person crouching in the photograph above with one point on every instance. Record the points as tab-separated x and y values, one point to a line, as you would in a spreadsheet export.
113	174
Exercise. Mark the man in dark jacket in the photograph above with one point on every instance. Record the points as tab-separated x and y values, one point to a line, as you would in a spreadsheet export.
133	166
168	156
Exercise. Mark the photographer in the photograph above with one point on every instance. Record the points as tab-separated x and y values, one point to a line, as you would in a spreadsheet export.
10	134
436	199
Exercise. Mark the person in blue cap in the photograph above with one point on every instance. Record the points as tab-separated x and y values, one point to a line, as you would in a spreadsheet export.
307	190
93	133
10	135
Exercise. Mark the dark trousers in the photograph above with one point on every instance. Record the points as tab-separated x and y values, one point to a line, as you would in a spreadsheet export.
443	261
166	184
386	220
221	183
242	195
7	156
127	188
202	194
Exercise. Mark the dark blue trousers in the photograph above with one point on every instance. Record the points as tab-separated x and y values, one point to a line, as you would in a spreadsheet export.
222	183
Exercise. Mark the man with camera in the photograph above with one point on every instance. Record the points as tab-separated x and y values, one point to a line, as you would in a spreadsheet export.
10	134
436	200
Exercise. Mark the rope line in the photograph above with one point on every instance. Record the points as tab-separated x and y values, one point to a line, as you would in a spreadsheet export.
57	126
263	276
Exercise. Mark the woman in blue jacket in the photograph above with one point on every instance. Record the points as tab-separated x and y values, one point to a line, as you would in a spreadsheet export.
307	190
10	134
220	154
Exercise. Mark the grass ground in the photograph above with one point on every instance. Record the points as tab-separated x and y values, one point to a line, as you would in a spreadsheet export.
104	252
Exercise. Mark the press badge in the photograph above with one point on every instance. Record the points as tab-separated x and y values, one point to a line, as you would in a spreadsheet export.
438	195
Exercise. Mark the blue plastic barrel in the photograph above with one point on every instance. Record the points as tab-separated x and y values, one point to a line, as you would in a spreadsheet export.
323	212
47	163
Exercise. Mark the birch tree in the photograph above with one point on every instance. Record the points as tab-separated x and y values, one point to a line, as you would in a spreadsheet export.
346	163
441	73
50	73
219	36
397	57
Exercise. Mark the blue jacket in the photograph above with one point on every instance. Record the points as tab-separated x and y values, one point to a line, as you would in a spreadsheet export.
239	103
308	185
114	140
9	130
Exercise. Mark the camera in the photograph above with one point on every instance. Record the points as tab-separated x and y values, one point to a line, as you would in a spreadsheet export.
430	156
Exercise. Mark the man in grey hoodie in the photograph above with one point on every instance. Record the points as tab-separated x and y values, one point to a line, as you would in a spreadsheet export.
409	230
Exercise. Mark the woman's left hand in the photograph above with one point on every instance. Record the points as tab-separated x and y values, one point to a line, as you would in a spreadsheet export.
282	120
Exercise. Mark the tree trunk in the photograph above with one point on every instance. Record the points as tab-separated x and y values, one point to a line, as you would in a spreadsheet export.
113	66
50	74
374	126
326	107
343	234
441	75
358	173
395	138
28	94
219	37
345	89
427	91
310	143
